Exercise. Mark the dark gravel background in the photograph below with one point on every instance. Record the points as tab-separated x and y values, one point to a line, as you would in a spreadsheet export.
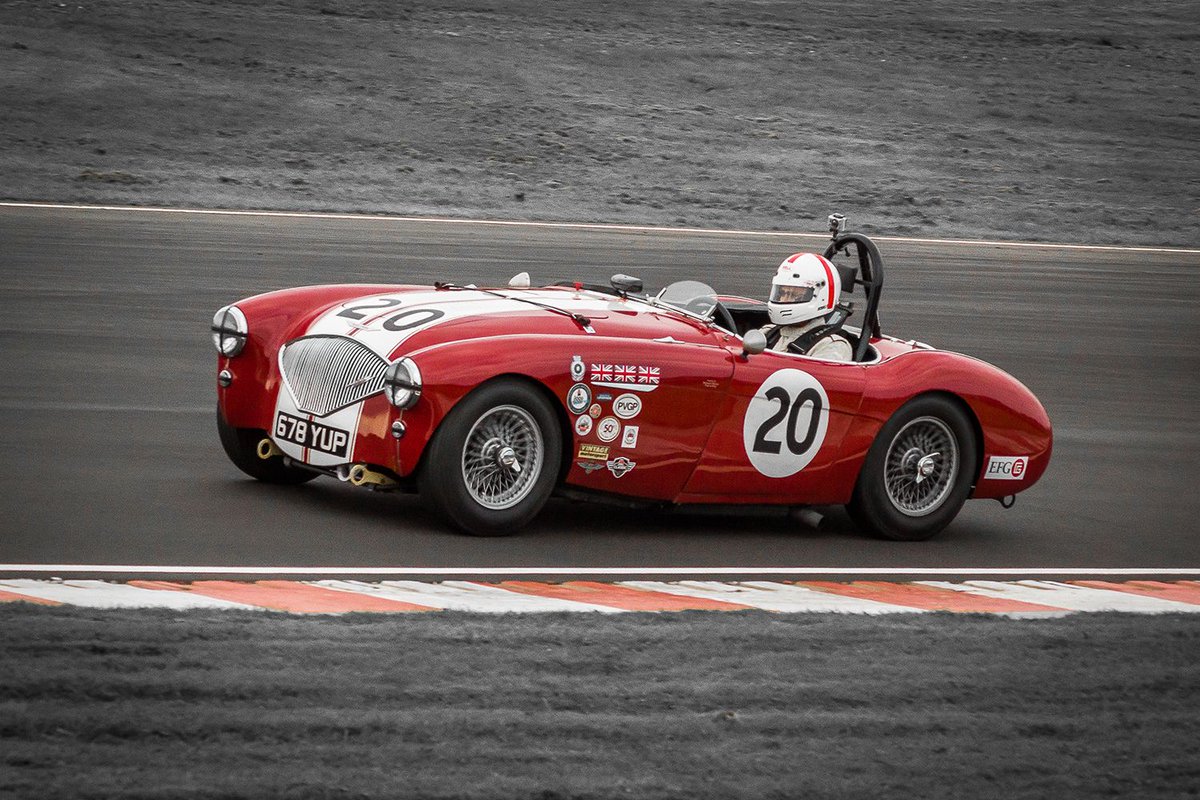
1059	121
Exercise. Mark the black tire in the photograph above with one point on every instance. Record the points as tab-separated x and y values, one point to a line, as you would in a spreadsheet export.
495	500
241	445
890	499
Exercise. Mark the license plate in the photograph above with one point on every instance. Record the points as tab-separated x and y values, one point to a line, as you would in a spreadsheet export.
312	435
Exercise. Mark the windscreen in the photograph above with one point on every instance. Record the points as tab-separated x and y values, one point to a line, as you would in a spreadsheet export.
693	297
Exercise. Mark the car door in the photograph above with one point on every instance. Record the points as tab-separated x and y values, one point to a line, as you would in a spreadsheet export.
642	411
780	431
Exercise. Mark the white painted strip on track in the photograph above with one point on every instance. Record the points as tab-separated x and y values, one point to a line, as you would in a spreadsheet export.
98	594
592	226
1063	595
475	597
771	596
193	570
462	596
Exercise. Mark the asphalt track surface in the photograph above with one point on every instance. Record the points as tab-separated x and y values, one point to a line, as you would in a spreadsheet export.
110	454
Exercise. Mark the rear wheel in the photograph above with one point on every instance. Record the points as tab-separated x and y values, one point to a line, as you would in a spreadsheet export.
241	445
494	460
918	472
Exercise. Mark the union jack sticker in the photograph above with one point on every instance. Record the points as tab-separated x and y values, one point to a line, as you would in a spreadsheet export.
638	377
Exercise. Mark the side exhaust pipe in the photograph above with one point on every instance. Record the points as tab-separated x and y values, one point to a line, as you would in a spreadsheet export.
267	449
362	475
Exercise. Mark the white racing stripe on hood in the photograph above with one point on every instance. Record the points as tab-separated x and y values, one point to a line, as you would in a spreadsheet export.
383	321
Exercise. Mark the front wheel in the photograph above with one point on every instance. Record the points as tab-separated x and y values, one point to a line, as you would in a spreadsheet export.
918	472
494	460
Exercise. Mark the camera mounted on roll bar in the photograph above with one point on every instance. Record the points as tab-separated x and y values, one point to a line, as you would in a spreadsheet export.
837	224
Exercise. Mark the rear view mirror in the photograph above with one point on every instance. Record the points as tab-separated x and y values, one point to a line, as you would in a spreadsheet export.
754	342
626	283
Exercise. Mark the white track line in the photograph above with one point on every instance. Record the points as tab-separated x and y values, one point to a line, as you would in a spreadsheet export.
592	226
328	572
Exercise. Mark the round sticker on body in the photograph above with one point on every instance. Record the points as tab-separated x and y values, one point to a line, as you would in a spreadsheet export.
785	423
627	406
608	429
583	425
579	398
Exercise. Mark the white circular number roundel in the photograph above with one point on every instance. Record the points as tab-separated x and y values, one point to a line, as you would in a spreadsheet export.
785	423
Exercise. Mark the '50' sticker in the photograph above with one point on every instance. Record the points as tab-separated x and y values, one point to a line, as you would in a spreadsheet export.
785	423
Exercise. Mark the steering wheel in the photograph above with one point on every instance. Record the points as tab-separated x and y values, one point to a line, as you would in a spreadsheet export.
723	318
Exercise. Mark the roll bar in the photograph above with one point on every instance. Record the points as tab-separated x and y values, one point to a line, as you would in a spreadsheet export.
870	276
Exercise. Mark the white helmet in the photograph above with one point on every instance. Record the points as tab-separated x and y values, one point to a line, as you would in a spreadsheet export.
805	286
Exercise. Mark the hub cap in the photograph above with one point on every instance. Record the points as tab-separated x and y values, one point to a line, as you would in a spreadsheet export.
921	467
502	457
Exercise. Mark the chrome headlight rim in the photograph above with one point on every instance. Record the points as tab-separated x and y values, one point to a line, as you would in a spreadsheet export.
229	331
402	383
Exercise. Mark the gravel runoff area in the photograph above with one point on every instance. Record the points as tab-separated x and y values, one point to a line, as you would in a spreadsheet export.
1054	120
241	704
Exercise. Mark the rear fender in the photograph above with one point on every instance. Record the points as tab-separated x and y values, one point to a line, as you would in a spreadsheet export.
1011	422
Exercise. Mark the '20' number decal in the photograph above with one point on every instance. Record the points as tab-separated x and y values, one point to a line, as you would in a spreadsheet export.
356	312
790	408
785	423
405	320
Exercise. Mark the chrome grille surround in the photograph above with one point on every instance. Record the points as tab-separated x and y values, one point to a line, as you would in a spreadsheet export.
327	373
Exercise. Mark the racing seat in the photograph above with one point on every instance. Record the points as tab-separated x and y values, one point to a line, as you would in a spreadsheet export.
834	324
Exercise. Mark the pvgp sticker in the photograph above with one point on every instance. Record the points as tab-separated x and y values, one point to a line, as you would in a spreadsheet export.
785	423
627	406
1006	468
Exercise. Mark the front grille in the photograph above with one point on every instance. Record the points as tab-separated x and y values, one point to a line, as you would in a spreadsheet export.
328	373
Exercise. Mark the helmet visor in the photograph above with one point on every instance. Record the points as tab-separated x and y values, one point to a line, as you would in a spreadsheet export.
791	294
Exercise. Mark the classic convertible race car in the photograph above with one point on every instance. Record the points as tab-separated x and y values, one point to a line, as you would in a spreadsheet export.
489	400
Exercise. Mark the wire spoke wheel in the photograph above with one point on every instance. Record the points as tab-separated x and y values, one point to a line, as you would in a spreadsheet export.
921	466
502	457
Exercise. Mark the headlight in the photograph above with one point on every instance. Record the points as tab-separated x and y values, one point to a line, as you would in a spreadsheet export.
402	383
229	331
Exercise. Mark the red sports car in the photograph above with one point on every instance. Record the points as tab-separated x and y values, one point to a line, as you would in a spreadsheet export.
489	400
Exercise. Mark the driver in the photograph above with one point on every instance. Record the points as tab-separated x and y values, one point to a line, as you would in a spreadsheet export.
804	295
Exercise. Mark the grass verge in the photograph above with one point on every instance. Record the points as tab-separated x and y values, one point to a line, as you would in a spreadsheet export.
167	705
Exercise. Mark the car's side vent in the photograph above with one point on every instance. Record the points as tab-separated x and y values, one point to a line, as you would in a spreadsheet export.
328	373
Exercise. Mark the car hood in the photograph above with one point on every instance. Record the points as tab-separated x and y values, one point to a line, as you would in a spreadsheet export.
393	321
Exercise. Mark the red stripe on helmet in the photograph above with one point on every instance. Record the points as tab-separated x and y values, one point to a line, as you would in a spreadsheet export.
828	278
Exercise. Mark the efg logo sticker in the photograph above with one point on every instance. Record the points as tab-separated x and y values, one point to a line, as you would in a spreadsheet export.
627	406
1006	468
785	423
